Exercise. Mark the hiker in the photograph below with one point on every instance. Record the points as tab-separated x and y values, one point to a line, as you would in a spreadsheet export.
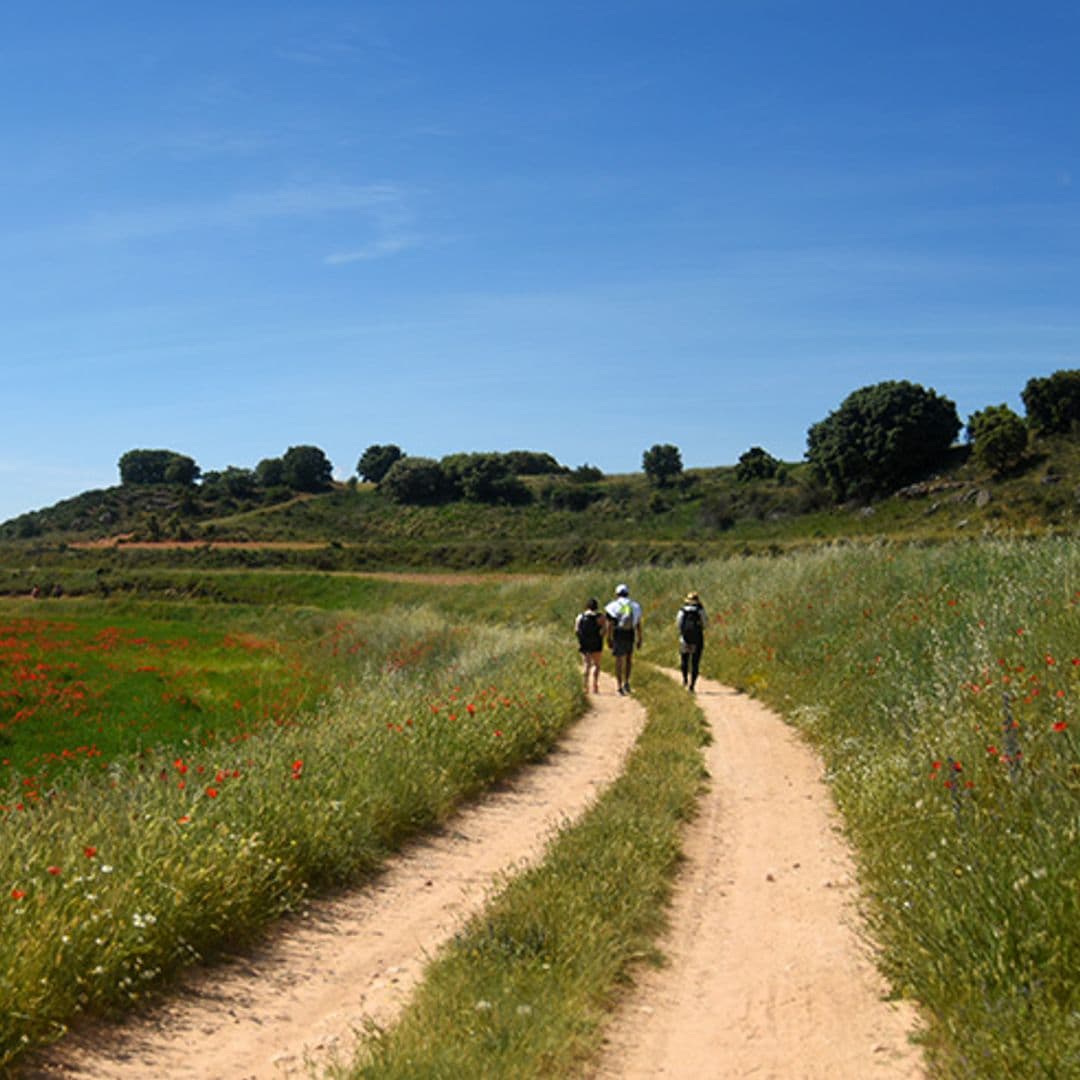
691	622
591	628
624	631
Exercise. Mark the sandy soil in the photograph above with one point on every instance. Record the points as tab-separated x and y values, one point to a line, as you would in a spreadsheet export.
355	958
768	976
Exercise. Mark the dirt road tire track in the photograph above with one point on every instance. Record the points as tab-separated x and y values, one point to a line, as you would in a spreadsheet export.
768	974
354	959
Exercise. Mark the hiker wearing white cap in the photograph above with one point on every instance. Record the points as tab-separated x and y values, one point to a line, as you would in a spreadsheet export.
624	632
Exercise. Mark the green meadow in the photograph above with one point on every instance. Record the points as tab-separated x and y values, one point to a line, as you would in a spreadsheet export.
938	683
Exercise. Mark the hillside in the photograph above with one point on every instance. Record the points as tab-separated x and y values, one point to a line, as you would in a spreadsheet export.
609	521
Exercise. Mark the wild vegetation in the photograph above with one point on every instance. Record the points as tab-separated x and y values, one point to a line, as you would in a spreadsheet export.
924	638
115	877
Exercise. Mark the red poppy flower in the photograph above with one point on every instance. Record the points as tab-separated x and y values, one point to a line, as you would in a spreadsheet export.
1060	725
17	894
54	870
89	852
212	792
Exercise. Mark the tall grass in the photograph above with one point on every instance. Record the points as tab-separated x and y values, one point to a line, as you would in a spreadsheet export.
941	685
523	990
109	886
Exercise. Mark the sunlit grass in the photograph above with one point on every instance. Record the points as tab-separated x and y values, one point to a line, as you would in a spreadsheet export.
523	991
111	882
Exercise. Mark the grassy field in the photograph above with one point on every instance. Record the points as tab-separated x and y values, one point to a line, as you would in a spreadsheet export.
940	685
114	878
942	688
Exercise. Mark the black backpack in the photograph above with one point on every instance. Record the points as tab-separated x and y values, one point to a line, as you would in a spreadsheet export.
588	633
691	631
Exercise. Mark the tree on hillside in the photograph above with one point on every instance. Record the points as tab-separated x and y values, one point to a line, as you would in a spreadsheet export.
880	438
157	467
662	463
587	474
376	460
232	481
306	468
1053	403
484	477
756	464
415	480
270	472
533	463
998	437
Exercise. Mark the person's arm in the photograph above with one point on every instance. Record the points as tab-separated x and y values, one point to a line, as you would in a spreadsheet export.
641	619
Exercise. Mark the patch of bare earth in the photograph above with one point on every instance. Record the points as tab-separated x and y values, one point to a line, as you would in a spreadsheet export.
354	958
768	975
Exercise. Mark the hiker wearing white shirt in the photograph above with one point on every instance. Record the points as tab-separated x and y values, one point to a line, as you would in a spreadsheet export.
624	633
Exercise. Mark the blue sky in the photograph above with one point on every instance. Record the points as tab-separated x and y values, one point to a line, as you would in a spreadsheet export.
580	228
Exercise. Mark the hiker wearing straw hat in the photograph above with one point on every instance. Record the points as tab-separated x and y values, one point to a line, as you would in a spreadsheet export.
691	622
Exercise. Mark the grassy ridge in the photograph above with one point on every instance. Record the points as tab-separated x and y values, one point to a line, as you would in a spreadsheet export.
942	688
523	990
109	886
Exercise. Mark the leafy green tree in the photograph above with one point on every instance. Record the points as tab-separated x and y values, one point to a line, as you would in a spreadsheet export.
415	480
157	467
181	470
1053	403
662	463
376	460
533	463
998	437
270	472
880	438
306	468
484	477
756	464
587	474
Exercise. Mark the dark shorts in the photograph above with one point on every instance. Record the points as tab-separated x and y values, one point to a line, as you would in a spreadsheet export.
622	643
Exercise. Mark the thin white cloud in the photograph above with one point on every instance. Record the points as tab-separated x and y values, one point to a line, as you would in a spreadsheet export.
383	248
241	210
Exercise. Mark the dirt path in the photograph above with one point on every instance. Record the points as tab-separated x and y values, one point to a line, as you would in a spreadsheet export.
356	957
767	976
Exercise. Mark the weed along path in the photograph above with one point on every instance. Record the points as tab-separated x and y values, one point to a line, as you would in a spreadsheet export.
767	974
353	959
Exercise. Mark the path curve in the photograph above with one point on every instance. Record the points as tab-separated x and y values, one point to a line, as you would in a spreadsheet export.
353	959
768	974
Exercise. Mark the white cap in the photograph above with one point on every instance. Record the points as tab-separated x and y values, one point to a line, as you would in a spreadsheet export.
622	590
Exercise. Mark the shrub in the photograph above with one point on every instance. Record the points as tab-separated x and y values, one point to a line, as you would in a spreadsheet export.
415	480
306	468
375	462
1053	403
880	438
756	464
998	436
157	467
662	463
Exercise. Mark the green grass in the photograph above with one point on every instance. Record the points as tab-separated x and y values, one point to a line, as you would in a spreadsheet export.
524	990
941	686
80	683
112	882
